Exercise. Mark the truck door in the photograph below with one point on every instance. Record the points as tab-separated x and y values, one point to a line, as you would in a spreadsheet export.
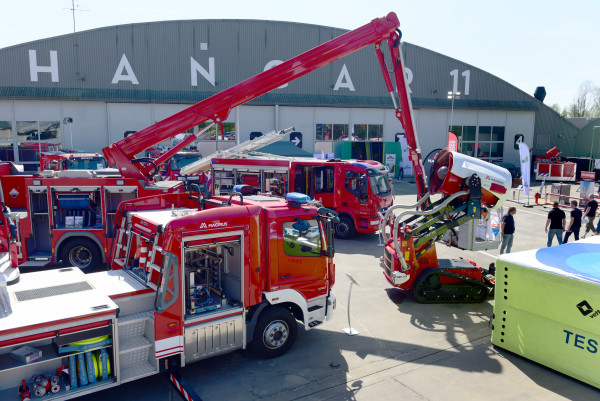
113	195
358	185
301	265
213	277
38	245
302	180
324	184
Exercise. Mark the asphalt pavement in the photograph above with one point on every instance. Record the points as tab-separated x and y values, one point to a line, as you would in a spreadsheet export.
404	350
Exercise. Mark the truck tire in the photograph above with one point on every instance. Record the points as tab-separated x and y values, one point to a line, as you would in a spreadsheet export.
275	332
345	228
82	253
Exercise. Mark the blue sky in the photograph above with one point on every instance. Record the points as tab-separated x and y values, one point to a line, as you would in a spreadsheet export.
527	43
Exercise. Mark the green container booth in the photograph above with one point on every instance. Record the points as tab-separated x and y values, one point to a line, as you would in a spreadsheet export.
547	307
377	151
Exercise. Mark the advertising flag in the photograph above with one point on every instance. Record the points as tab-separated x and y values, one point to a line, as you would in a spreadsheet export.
452	142
525	166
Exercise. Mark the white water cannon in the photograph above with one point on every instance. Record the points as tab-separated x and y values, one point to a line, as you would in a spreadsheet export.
450	169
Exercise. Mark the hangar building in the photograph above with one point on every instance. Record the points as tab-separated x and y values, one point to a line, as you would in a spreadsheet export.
88	89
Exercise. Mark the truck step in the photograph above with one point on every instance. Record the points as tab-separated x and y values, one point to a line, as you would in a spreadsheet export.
134	357
133	325
35	263
137	371
135	317
40	255
132	344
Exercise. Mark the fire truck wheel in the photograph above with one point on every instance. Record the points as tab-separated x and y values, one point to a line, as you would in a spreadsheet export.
275	332
345	228
81	253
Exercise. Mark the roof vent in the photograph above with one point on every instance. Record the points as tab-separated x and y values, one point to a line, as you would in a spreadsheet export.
540	93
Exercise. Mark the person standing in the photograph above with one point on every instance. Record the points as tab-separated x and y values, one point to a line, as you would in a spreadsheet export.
507	230
590	213
556	221
575	223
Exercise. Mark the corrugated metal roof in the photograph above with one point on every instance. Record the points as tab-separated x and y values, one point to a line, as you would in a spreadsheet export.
161	55
476	104
587	140
555	130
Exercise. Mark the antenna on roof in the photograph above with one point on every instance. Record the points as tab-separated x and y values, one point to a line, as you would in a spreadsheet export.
73	9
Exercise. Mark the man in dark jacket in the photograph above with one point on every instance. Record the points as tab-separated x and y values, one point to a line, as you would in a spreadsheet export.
575	223
590	213
507	230
556	221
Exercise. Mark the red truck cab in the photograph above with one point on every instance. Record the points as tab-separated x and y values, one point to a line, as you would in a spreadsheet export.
247	264
71	161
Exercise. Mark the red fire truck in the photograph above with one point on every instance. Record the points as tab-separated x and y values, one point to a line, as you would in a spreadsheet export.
357	190
68	215
191	277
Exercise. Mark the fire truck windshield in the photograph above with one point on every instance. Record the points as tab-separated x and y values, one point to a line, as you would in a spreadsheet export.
178	161
88	163
380	184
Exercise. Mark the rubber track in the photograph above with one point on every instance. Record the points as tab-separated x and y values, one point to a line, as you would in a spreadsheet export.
444	293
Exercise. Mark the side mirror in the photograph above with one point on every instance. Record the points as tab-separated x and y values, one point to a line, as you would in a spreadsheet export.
301	225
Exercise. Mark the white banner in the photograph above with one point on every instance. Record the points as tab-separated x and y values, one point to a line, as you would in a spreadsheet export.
525	166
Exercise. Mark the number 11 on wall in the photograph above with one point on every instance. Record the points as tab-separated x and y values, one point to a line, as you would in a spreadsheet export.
467	75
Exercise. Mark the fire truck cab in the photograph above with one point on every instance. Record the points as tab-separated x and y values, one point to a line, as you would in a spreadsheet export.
171	168
71	161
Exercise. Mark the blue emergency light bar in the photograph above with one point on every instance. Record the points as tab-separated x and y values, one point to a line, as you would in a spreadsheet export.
296	198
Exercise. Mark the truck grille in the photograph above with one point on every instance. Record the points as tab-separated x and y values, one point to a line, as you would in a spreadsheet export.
387	263
28	295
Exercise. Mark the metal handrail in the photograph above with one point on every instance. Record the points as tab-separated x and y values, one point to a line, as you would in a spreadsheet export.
418	213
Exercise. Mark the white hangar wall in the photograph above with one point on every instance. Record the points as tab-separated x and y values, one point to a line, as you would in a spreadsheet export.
97	124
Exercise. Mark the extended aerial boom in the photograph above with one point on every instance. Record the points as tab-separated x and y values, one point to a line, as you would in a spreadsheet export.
218	107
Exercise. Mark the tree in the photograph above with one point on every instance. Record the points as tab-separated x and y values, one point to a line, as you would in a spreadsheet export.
583	101
595	109
556	107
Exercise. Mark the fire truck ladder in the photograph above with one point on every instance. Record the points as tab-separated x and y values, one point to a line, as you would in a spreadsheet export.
152	268
122	250
236	152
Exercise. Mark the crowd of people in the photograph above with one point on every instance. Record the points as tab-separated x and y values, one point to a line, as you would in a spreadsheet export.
556	224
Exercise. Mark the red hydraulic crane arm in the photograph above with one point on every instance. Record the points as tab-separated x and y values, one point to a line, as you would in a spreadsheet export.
217	107
404	113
